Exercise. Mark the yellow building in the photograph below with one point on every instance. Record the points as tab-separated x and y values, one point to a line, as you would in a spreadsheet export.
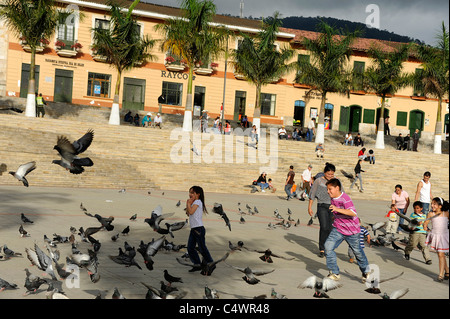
68	71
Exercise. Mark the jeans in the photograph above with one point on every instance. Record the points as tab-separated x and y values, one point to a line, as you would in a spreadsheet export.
426	207
326	223
400	221
197	237
309	135
287	189
358	176
351	142
263	185
334	240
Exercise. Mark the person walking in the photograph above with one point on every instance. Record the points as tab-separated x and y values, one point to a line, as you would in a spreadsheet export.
319	192
358	171
40	102
419	236
416	137
306	180
423	192
400	199
195	207
289	182
311	130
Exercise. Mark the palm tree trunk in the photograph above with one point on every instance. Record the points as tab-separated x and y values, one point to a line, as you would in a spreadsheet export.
320	130
257	111
380	132
114	117
187	120
438	129
30	110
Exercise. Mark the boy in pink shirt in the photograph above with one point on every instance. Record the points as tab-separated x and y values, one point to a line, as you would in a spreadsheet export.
345	227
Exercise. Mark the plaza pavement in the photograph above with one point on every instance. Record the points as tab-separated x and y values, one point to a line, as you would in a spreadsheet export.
55	210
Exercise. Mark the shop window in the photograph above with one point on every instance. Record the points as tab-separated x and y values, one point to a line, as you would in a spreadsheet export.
172	93
99	85
368	116
268	103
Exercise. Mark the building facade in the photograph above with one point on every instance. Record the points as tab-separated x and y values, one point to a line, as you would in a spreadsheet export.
68	71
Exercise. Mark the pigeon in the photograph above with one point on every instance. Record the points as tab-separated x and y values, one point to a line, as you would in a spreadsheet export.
206	268
3	168
210	293
276	295
69	153
348	175
171	279
104	221
9	252
126	230
373	281
254	189
194	149
123	190
154	293
175	226
310	222
91	231
255	210
25	220
241	220
23	232
6	285
320	287
396	247
133	217
63	274
92	267
268	254
218	209
114	237
54	293
397	294
23	171
32	282
378	226
45	262
126	259
156	218
117	295
95	243
178	204
233	247
250	275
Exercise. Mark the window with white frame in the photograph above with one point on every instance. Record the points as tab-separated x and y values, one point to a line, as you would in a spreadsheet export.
268	103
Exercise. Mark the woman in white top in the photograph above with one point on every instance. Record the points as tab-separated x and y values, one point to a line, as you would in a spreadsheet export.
195	206
423	193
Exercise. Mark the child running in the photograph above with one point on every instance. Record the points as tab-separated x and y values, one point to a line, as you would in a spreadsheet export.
345	227
437	239
419	236
195	206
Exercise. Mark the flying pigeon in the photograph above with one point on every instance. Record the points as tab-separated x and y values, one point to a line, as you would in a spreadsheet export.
23	171
250	275
380	226
156	218
126	259
397	294
206	268
149	250
105	221
194	149
218	209
373	281
320	287
69	152
268	254
114	237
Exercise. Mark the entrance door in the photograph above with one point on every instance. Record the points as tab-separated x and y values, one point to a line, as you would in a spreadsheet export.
199	97
386	113
240	98
355	118
416	121
26	77
299	113
344	119
63	86
133	94
328	119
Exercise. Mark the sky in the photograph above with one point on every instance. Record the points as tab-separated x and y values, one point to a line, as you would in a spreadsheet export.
417	19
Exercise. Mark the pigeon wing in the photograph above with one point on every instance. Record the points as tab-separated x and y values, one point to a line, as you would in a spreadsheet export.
398	293
310	282
330	284
84	142
65	148
262	272
403	216
26	168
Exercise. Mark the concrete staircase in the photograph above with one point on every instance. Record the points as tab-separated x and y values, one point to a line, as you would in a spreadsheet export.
139	158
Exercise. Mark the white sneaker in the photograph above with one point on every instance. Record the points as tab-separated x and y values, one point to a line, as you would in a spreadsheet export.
335	277
263	191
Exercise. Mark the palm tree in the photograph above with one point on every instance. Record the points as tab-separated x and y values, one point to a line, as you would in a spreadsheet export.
260	62
434	80
194	39
326	71
34	21
385	78
122	46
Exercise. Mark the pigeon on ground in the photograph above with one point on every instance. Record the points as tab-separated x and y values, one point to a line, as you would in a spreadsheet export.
268	254
95	243
123	190
133	217
25	219
6	285
126	259
69	153
276	295
205	268
397	294
310	222
233	247
126	230
23	171
320	287
23	232
9	252
171	279
115	237
218	209
33	282
178	204
155	293
117	295
210	293
250	275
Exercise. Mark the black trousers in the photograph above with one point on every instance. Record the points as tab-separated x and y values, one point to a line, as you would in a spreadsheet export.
326	223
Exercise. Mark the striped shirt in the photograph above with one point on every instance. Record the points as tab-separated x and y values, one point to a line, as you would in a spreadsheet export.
362	237
421	218
346	225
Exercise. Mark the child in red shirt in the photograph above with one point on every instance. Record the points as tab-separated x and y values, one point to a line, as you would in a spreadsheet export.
393	220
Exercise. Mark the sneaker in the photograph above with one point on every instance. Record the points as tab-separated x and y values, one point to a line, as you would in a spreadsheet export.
335	277
429	262
263	191
364	277
321	254
406	257
195	268
351	260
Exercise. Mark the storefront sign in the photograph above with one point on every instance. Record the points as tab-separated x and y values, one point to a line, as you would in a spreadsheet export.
176	75
63	63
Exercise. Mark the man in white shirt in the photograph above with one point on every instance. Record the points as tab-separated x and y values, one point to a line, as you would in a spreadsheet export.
282	133
158	120
311	130
306	180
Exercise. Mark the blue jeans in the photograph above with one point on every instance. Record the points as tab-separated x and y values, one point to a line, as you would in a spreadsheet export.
197	237
334	240
287	189
309	135
263	185
358	176
400	221
426	207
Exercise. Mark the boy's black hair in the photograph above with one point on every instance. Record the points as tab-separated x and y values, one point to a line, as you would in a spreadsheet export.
398	186
291	167
334	182
418	203
427	173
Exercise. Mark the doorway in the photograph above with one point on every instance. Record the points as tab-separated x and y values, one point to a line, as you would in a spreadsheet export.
133	94
386	114
63	86
25	77
240	99
355	118
199	97
416	121
328	119
299	113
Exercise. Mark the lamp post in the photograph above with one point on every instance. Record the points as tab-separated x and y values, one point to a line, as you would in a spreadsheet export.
224	88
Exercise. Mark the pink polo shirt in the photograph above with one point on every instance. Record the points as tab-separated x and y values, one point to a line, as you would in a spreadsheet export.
400	200
346	225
